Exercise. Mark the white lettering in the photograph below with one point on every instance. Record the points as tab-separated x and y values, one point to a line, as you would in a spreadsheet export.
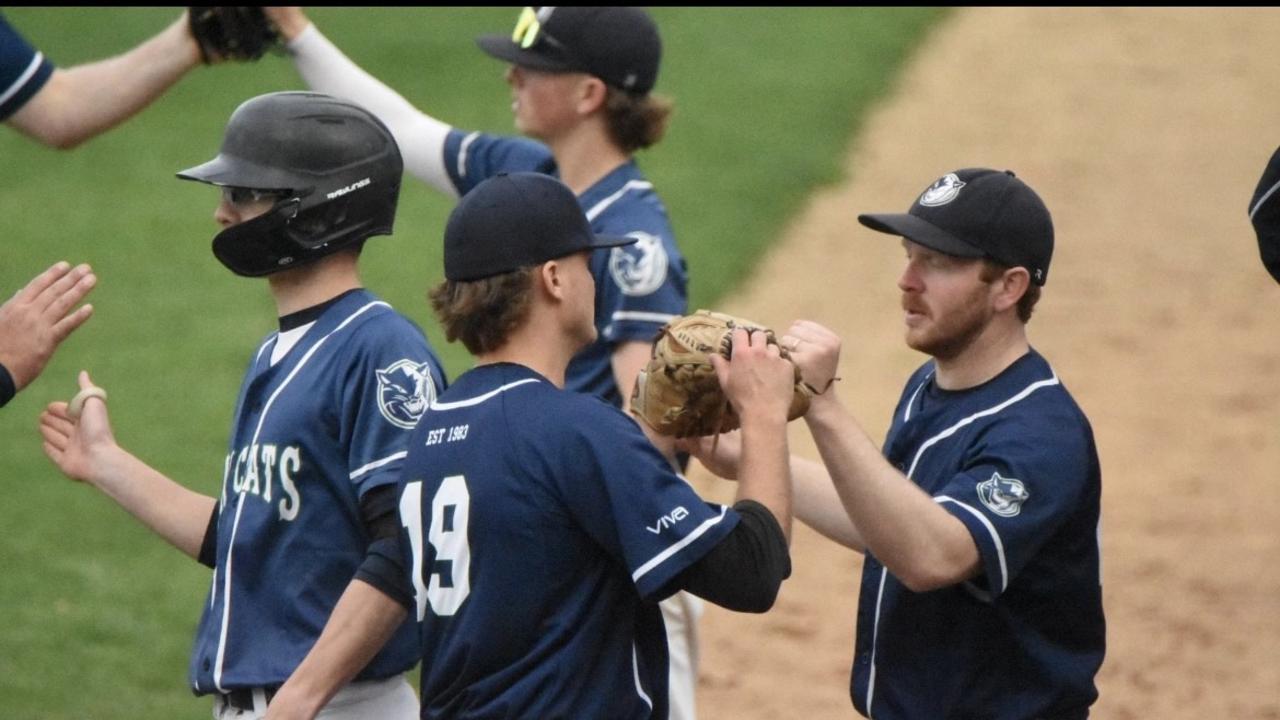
290	462
236	483
268	466
353	186
668	520
435	437
458	432
251	472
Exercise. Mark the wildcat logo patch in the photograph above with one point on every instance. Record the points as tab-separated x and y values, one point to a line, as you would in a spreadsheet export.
1003	496
405	390
639	268
943	191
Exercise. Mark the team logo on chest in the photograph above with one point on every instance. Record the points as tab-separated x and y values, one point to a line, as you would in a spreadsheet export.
639	269
1003	496
943	191
405	390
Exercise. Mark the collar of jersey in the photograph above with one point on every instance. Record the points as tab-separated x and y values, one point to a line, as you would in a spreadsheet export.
610	183
311	314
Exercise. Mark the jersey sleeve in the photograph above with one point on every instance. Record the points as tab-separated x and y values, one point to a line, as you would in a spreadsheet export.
23	70
641	286
1019	485
392	378
472	157
632	504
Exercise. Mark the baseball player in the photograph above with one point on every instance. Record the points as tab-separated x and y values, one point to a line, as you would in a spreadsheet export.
1264	214
981	588
35	321
308	589
541	525
581	80
64	107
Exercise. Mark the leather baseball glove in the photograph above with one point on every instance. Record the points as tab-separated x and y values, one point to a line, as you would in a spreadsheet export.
678	394
231	33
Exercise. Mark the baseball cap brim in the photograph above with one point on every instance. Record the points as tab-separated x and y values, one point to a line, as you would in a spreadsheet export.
501	47
611	241
920	231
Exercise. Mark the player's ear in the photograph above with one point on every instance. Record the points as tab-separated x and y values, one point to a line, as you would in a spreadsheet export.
1010	287
551	279
592	94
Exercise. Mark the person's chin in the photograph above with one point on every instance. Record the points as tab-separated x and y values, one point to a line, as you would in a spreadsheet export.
918	339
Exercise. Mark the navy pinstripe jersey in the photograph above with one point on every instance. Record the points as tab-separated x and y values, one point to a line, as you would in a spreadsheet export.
542	527
23	70
638	287
1014	460
312	434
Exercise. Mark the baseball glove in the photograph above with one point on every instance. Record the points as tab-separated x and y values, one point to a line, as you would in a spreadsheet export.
231	33
678	393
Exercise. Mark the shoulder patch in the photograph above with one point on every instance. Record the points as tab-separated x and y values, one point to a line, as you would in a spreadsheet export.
640	268
1003	496
405	391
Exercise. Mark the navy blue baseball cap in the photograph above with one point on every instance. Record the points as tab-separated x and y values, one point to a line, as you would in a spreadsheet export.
1264	214
978	213
516	220
619	45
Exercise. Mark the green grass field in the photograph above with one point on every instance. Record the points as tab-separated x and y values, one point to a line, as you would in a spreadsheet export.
97	614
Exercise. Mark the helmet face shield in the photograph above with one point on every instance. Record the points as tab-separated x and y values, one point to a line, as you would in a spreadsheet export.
340	165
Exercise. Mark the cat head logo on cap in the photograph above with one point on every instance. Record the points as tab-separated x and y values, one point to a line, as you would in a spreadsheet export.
946	189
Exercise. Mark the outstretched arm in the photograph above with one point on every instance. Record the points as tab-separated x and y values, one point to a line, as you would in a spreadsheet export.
78	103
85	449
919	542
326	69
815	501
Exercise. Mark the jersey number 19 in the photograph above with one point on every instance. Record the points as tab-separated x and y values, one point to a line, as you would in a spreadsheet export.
450	573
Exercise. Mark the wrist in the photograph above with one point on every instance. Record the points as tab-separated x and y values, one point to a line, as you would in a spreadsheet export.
296	33
110	467
760	419
823	408
181	44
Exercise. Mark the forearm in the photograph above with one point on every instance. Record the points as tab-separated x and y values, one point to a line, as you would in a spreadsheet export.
819	506
173	512
421	138
764	475
919	542
80	102
361	623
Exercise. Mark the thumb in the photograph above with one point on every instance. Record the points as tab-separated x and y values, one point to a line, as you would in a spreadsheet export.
85	382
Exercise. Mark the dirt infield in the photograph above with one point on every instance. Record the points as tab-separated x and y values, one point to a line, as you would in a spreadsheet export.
1145	131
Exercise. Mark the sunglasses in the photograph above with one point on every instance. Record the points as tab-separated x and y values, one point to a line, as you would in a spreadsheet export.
528	32
246	196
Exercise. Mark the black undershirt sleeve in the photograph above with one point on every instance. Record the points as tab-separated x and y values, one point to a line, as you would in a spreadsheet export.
383	565
209	546
744	571
8	388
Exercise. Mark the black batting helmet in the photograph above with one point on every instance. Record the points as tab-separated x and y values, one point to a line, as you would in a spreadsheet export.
335	167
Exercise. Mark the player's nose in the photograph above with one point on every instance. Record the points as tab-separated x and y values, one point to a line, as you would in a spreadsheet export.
909	280
224	214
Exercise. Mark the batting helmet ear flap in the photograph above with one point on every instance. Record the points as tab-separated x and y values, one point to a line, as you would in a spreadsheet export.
260	246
